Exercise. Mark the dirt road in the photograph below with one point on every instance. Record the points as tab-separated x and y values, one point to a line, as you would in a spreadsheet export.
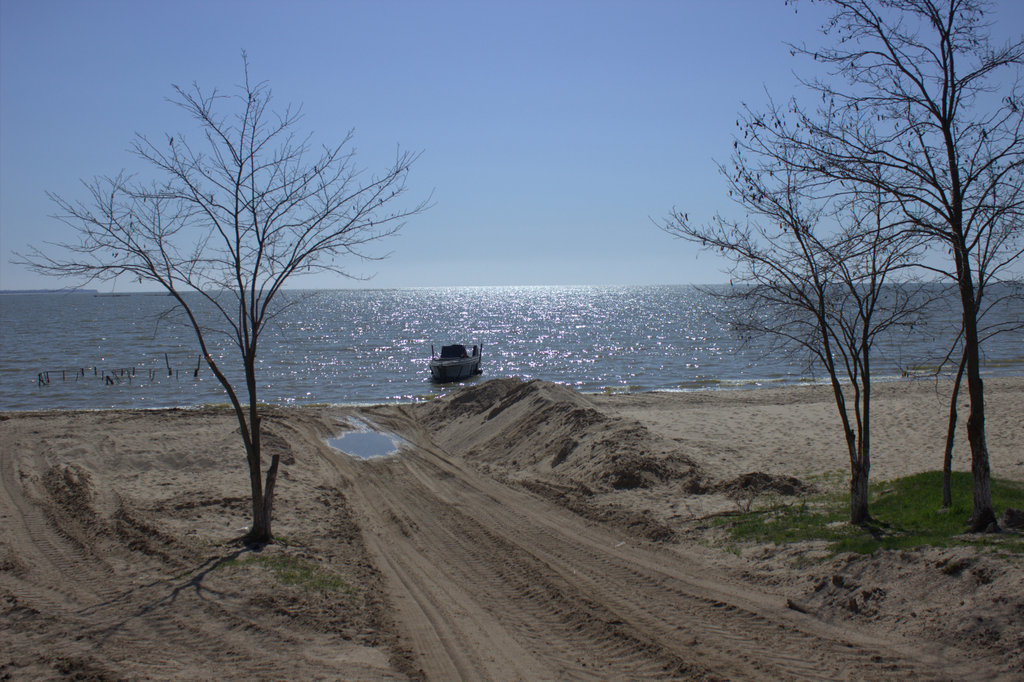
491	582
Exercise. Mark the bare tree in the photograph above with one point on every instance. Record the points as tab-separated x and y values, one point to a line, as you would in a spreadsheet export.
912	107
812	272
239	212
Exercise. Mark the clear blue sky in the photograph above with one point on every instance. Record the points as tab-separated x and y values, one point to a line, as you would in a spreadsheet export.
551	130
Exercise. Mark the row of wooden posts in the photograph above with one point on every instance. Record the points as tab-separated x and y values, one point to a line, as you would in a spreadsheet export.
112	377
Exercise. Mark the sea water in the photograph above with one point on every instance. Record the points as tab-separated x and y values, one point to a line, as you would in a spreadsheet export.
88	351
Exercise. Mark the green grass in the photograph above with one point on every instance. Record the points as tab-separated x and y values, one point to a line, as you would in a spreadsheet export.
906	513
293	570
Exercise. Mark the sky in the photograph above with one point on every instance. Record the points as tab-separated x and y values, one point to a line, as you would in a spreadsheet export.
554	133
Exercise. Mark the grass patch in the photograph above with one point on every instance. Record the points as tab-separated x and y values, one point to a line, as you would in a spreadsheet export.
906	514
289	569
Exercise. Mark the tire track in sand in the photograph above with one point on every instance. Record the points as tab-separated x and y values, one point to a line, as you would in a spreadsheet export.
492	582
62	583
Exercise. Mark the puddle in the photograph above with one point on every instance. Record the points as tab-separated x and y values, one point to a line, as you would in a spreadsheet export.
365	442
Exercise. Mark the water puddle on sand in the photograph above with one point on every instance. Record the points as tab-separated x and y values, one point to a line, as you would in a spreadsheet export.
365	442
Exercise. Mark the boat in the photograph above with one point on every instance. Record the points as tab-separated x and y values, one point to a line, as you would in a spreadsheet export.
455	362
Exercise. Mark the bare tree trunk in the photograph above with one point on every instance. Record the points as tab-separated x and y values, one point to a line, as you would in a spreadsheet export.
983	517
860	451
947	462
859	493
859	465
259	531
266	511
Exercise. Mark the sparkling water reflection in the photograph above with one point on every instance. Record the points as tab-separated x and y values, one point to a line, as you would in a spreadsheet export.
368	346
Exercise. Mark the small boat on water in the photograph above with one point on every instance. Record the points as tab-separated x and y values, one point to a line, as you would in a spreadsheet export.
455	362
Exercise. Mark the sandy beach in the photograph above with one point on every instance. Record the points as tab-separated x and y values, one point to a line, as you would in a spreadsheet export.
524	531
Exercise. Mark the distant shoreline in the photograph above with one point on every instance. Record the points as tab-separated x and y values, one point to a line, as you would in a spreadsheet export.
6	292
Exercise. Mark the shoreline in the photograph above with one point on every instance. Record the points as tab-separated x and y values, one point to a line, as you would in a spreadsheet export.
609	391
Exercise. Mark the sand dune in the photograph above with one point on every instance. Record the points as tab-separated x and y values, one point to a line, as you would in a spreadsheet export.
525	532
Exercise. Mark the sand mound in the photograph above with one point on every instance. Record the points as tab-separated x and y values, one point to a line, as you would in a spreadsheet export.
536	430
582	454
952	594
760	483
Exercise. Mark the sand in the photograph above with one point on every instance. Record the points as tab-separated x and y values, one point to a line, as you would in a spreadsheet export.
524	531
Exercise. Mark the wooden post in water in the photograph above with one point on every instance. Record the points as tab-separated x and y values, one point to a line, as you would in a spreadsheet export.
168	363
